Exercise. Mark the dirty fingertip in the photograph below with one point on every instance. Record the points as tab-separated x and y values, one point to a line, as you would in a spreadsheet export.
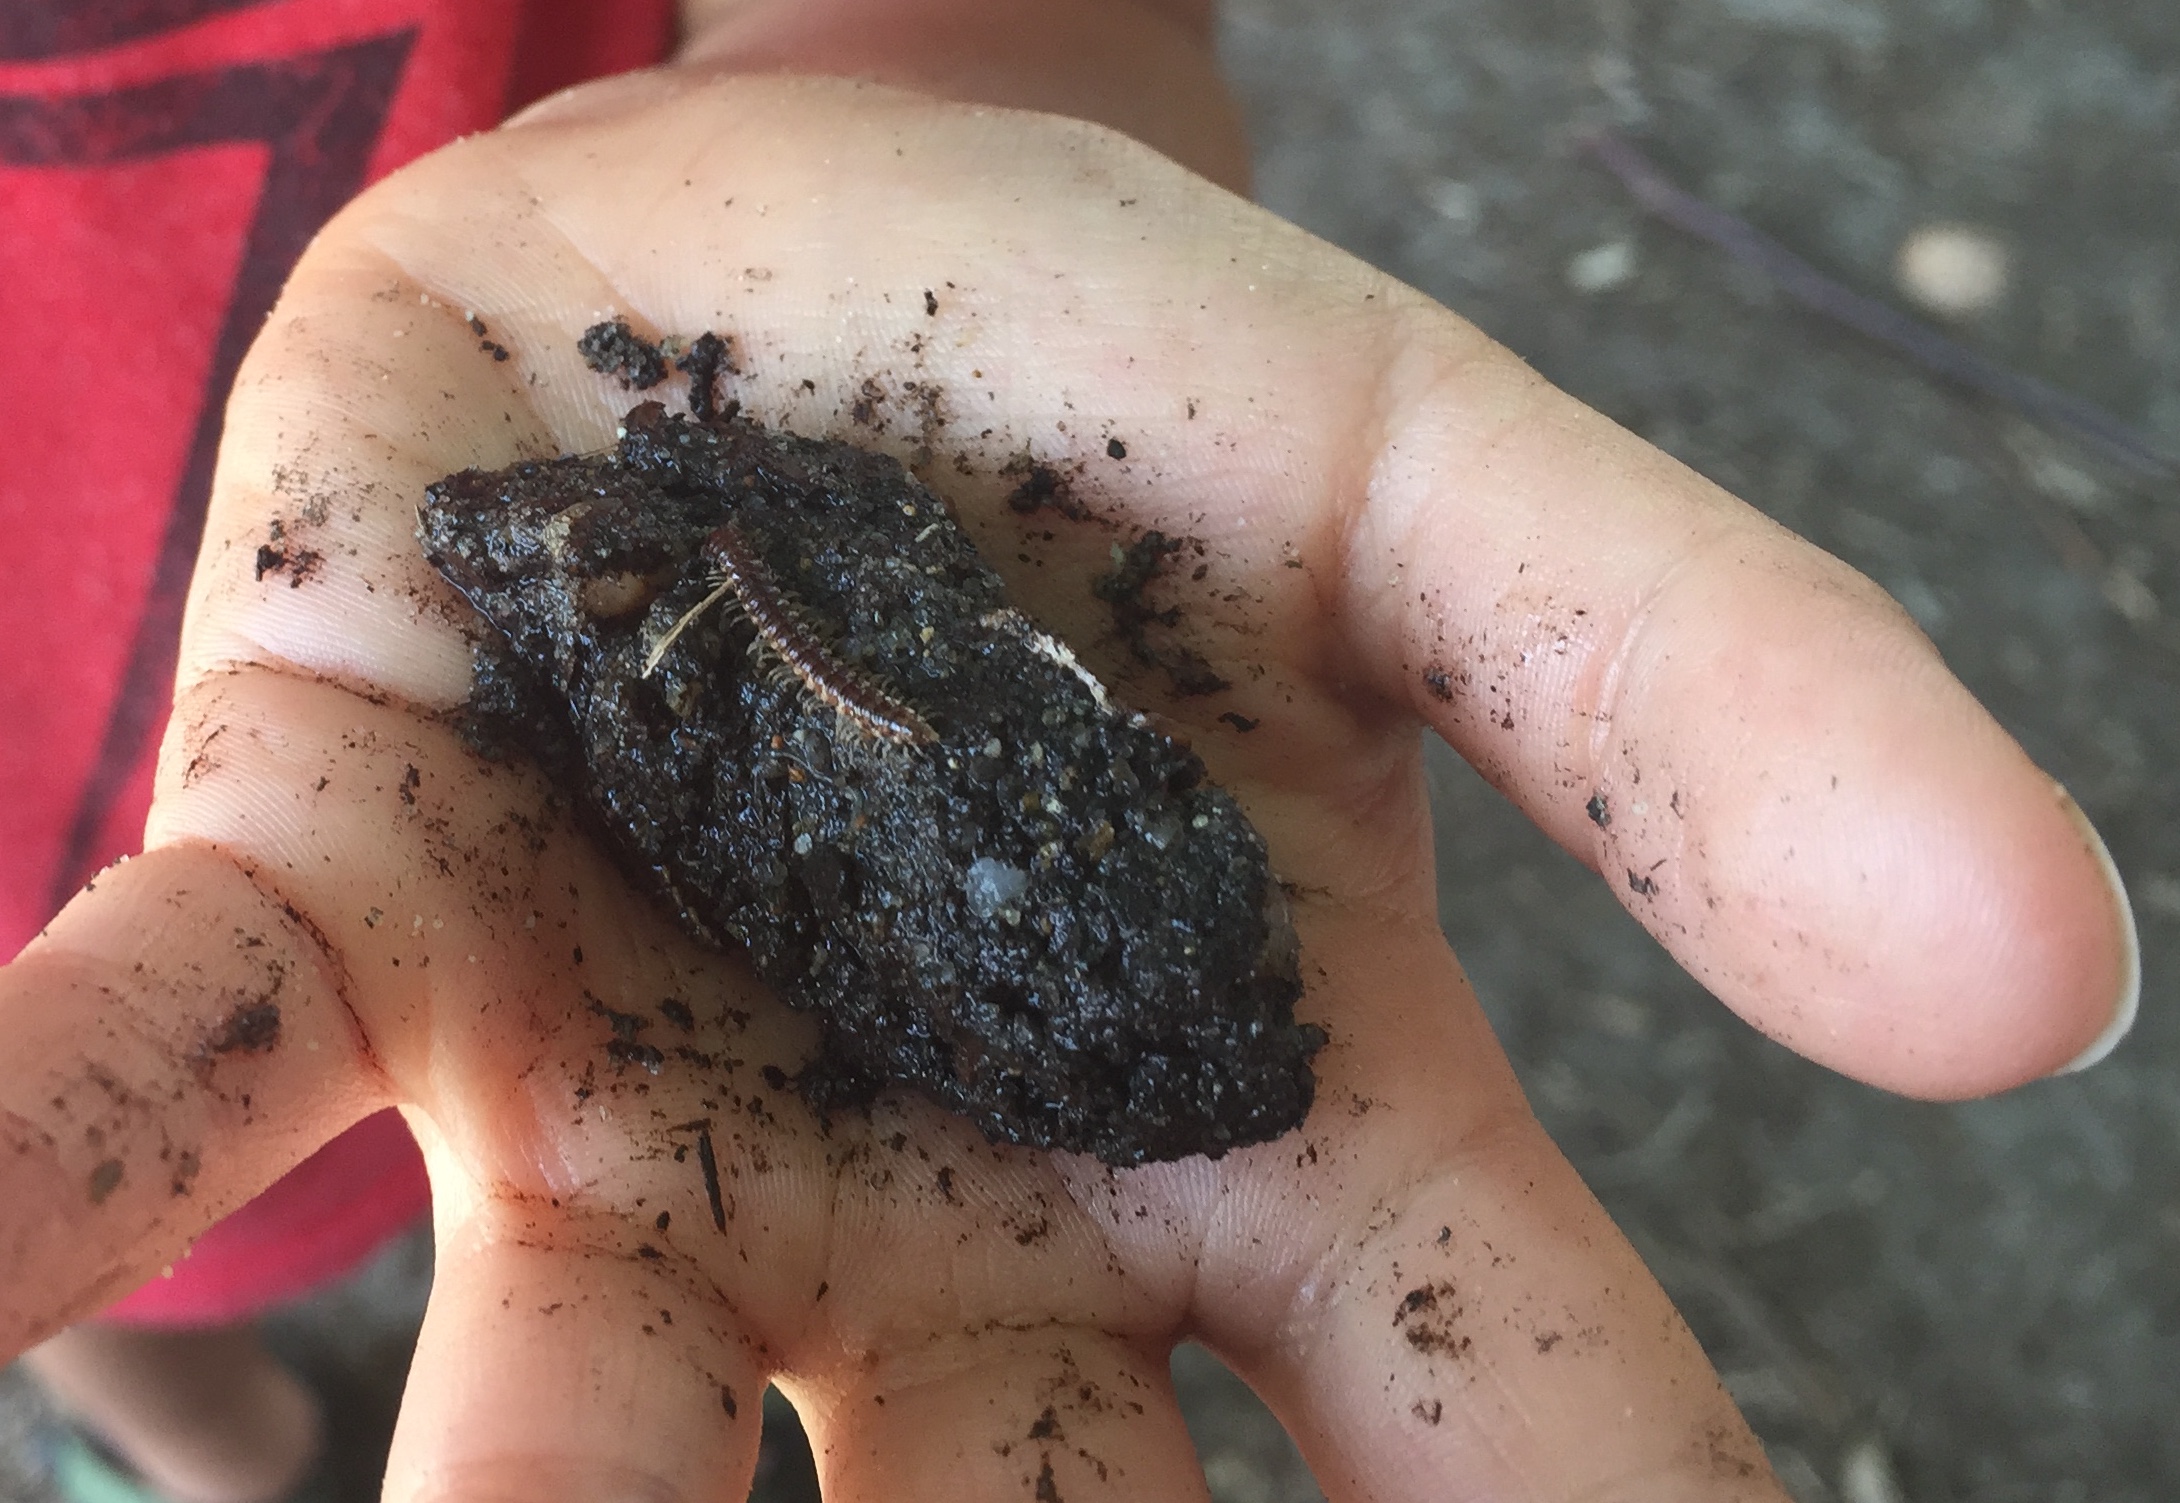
2129	1001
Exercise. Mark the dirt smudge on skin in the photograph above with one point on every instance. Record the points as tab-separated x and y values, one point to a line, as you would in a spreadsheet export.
248	1028
1729	1456
485	343
1041	486
625	1054
1145	630
279	555
105	1179
1427	1318
869	398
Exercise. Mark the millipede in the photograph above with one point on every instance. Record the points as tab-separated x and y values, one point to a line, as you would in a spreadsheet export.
846	691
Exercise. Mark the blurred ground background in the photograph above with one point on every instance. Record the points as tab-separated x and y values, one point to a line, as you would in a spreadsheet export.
1965	1304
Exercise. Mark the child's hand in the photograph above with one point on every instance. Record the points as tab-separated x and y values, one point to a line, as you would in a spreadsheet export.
343	907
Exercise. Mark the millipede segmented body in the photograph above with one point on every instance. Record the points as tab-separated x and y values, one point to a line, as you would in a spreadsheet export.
848	692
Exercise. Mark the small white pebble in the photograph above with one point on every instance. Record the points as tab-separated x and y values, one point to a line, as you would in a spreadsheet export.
1954	270
1456	202
993	887
2125	592
1602	268
1626	1018
1866	1476
2159	893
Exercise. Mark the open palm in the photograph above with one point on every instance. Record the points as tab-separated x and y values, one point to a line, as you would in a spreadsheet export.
342	906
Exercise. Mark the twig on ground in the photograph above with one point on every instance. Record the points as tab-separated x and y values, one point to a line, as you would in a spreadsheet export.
1925	346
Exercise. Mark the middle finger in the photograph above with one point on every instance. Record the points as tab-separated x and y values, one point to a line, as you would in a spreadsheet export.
1043	1411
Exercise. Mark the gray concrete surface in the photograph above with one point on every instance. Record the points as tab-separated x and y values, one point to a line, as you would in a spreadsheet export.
1965	1304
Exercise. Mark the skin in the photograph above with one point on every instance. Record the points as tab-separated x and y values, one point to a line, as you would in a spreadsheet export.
1407	527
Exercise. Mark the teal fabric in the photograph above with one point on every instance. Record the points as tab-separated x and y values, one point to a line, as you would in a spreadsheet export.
86	1472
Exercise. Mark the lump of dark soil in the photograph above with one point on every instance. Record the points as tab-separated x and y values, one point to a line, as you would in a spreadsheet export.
614	349
804	714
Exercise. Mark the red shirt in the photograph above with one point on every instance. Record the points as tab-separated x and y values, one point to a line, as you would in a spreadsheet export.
162	165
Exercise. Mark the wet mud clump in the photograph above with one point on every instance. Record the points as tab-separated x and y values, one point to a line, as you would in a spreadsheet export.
802	711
